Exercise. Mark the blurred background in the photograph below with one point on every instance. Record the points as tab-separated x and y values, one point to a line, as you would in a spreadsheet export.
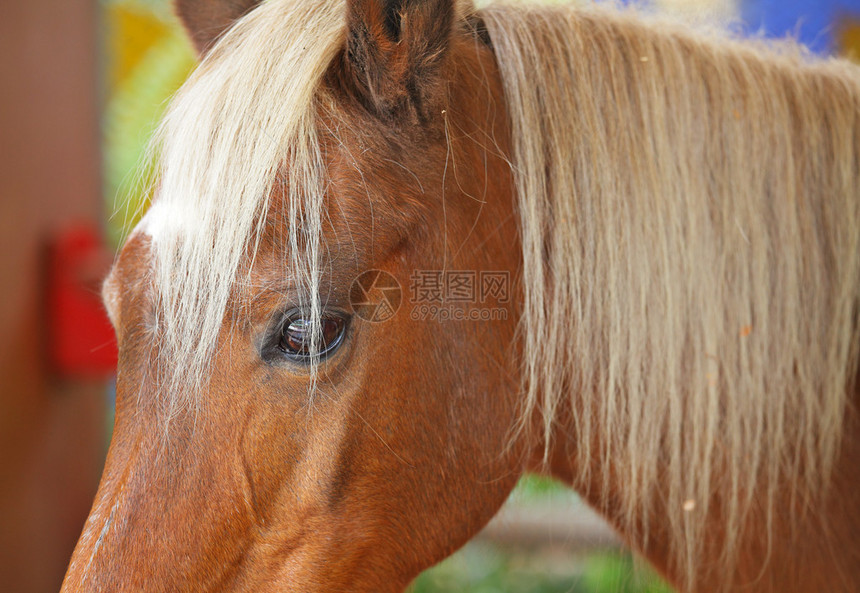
82	84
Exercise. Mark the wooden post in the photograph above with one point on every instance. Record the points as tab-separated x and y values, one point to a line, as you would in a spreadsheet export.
51	430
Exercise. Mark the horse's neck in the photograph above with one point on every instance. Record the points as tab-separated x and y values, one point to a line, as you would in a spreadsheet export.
814	544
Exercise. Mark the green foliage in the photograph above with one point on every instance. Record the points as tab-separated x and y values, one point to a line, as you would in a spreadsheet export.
143	79
535	487
617	573
483	569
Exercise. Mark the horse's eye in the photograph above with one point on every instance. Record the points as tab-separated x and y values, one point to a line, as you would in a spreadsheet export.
295	339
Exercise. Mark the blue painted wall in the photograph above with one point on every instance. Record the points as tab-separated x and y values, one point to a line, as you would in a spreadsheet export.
813	22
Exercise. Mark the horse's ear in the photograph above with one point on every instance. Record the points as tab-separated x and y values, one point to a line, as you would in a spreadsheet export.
206	20
394	53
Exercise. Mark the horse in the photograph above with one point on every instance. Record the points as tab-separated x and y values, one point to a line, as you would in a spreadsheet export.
401	252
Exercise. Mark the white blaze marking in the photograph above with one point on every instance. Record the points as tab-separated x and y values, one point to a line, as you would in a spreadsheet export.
163	220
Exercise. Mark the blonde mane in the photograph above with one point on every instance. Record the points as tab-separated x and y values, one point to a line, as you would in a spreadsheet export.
241	125
690	226
690	223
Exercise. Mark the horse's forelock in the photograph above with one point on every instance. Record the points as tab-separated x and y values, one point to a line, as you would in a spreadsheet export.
245	118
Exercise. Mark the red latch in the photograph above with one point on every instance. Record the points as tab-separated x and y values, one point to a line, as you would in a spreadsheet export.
81	339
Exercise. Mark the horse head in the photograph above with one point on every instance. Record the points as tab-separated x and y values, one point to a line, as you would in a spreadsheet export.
333	442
